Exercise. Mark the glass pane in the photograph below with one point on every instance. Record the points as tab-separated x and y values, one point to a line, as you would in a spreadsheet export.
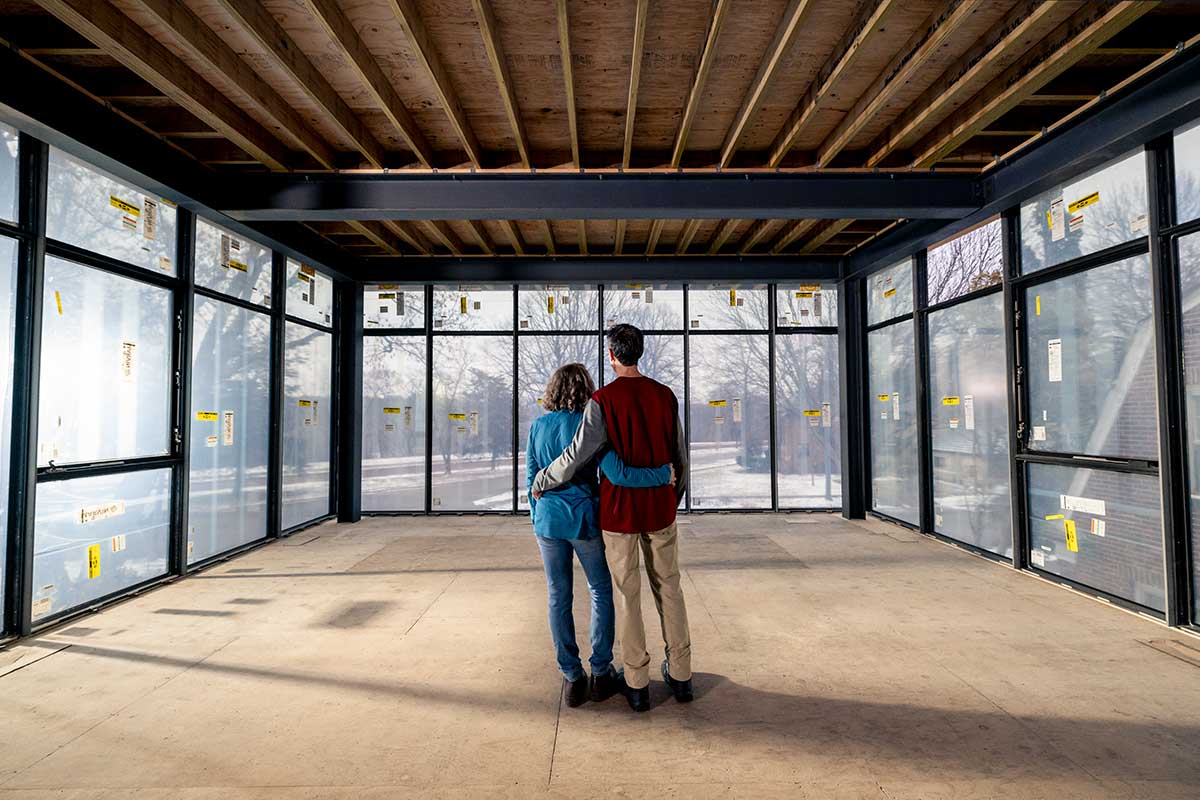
93	210
232	264
105	368
558	308
473	308
1069	513
727	306
895	485
393	427
967	263
392	306
1092	377
1187	173
8	294
730	434
307	424
1101	208
472	423
1189	298
94	537
538	357
649	306
969	419
8	173
890	292
309	294
230	419
662	359
808	450
806	305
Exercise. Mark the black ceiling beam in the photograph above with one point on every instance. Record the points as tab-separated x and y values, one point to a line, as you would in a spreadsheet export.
55	112
597	269
1154	105
580	195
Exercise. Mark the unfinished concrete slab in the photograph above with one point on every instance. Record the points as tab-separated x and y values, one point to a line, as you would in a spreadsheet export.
410	657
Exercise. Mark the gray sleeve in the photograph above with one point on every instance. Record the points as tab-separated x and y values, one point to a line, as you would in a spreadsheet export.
681	460
590	438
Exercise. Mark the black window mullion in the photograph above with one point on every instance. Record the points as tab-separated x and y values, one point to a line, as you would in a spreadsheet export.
181	425
429	399
1015	356
516	403
347	390
924	425
275	441
772	425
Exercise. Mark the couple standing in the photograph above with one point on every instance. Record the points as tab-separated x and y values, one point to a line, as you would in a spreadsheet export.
619	516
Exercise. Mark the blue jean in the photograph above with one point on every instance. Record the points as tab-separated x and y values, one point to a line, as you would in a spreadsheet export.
556	558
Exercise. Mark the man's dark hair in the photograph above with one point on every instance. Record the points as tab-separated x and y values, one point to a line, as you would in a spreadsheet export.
626	343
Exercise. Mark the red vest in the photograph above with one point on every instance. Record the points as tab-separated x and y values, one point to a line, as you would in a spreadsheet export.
640	414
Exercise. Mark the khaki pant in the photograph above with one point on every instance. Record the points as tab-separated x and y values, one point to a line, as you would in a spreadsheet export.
661	549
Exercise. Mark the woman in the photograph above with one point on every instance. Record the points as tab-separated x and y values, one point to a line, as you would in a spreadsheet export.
566	521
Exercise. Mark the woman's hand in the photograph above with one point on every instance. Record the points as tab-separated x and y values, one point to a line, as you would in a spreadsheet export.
672	483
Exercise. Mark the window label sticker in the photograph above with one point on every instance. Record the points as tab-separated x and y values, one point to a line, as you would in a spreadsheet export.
889	293
408	417
102	511
733	298
883	398
149	219
93	561
118	543
58	302
127	361
896	406
719	419
1037	305
1039	433
1037	558
1054	360
550	304
1139	223
968	402
1085	505
826	415
1072	542
1098	527
211	441
737	409
812	412
1055	219
954	423
474	423
227	428
391	410
1049	517
649	294
206	416
1084	202
952	400
1075	223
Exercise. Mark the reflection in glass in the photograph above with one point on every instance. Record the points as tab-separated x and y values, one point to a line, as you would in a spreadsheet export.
1099	528
558	307
969	420
807	305
97	212
105	366
890	292
8	173
1187	173
892	410
307	424
1092	378
393	423
472	423
230	422
1189	300
8	303
231	264
649	306
393	306
537	359
309	294
93	537
473	308
967	263
730	422
727	306
808	423
1101	208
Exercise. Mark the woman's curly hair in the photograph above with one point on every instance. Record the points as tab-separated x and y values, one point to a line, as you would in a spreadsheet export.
569	389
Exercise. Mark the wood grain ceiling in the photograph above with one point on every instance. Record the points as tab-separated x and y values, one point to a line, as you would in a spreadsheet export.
514	85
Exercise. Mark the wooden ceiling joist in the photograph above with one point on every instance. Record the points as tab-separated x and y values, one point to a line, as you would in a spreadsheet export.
1064	48
818	97
341	30
830	230
514	236
380	234
422	44
653	237
481	237
564	48
722	236
508	96
707	57
635	76
772	62
254	18
619	237
443	234
548	232
790	233
908	63
583	242
754	234
686	234
118	36
200	40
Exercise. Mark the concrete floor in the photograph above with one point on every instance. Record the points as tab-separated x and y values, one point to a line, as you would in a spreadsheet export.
411	658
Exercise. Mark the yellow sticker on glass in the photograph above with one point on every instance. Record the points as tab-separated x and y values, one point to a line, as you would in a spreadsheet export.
94	561
1072	542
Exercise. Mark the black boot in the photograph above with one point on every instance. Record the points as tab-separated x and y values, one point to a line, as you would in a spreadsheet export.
575	692
638	699
681	689
606	685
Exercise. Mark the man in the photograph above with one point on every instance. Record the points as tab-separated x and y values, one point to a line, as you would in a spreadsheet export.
637	417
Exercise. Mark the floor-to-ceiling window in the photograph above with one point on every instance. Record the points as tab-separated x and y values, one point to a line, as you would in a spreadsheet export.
8	291
1187	211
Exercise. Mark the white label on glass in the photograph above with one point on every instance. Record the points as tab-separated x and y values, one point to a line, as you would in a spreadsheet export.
149	219
127	361
1098	527
737	409
1139	223
968	402
649	294
1039	433
43	607
103	511
227	427
826	415
1058	226
1054	359
118	543
474	423
1075	223
1037	558
1086	505
211	441
896	406
954	423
